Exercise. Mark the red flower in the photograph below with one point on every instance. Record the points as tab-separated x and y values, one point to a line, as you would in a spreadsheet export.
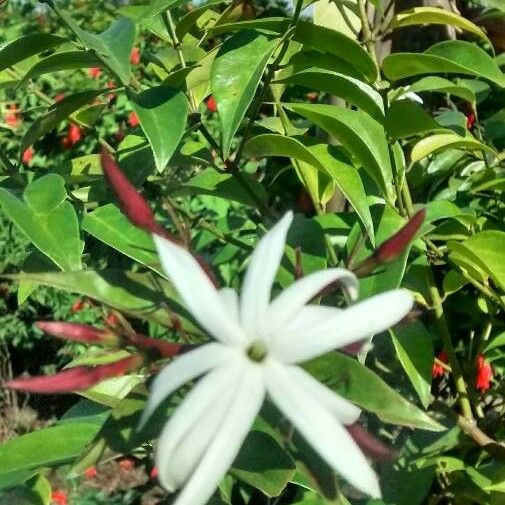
133	119
59	97
312	96
95	72
438	370
126	464
59	498
484	374
73	136
91	472
211	104
135	56
12	117
77	306
470	120
28	155
111	320
154	473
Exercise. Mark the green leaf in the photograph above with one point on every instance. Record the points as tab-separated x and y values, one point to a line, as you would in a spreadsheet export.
405	118
323	157
162	112
37	491
323	39
56	113
142	295
454	56
359	133
264	464
24	47
47	220
247	53
437	84
485	249
414	348
439	142
66	60
350	89
47	447
113	46
435	15
188	21
108	224
361	386
157	6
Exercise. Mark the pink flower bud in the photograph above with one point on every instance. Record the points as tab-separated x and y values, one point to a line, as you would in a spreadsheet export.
164	348
76	379
78	332
370	445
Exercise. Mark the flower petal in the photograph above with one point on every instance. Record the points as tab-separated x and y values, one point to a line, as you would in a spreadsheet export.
229	297
197	291
226	443
292	299
320	429
260	275
352	324
343	410
182	369
193	425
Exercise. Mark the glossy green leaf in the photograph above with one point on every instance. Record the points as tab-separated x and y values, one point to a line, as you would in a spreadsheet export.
350	89
264	464
323	157
162	112
46	447
47	219
317	37
247	52
361	135
143	295
436	84
24	47
157	6
352	380
414	349
455	56
108	224
439	16
435	143
485	250
57	113
66	60
406	118
113	46
188	21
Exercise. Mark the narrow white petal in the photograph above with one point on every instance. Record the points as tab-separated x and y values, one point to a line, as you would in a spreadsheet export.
347	326
182	369
229	297
307	317
226	443
320	429
197	291
291	300
343	410
260	275
193	425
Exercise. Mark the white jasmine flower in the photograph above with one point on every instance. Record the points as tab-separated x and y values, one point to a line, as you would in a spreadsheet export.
258	344
410	95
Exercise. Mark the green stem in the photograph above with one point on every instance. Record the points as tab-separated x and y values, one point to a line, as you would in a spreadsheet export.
368	37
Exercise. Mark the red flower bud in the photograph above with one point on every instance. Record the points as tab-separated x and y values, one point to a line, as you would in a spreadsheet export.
77	306
131	202
135	56
470	120
484	374
312	96
211	104
437	369
59	97
12	116
27	155
59	498
74	133
91	472
95	72
75	379
78	332
133	119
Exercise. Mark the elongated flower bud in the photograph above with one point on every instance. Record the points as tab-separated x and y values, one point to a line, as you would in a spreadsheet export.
133	205
164	348
371	445
79	333
394	246
75	379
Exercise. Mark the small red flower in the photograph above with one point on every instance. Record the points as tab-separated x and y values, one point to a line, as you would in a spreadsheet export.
484	374
438	370
28	155
312	96
211	104
133	119
135	56
91	472
59	498
470	120
95	72
59	97
74	133
12	117
126	464
111	320
77	306
154	473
